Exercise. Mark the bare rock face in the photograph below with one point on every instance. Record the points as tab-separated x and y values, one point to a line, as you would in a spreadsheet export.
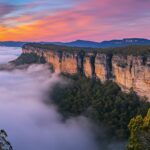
54	58
4	143
129	72
89	65
69	63
132	72
101	67
122	72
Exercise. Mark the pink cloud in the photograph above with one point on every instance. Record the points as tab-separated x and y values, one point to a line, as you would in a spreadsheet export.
90	20
6	9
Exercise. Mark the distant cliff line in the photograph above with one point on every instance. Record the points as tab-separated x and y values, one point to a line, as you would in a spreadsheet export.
129	67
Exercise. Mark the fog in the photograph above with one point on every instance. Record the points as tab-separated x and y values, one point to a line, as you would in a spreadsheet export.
8	53
32	124
29	122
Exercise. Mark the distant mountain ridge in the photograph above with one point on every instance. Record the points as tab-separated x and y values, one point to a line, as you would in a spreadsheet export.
125	42
82	43
12	43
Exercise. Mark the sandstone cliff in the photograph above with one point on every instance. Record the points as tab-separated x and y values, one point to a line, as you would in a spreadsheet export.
132	72
128	71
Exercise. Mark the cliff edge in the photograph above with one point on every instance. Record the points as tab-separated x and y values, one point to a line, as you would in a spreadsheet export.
129	67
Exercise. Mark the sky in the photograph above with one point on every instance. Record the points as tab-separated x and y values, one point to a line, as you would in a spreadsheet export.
68	20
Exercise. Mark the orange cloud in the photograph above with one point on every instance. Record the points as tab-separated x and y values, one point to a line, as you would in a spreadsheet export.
92	20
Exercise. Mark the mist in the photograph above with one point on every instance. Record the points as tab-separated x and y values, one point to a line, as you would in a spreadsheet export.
9	53
32	124
29	122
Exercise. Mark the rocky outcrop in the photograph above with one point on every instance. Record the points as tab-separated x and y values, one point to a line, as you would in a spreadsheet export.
69	63
130	72
4	143
89	65
53	58
103	67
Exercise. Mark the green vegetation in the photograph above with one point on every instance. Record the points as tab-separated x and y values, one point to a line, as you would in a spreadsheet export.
140	133
137	50
28	59
104	103
57	48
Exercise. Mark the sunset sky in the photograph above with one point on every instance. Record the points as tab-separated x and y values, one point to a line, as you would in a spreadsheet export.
67	20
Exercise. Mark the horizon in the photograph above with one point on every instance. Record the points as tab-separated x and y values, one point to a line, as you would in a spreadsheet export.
75	74
78	40
67	21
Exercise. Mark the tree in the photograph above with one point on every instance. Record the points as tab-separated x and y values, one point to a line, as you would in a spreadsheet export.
139	133
104	103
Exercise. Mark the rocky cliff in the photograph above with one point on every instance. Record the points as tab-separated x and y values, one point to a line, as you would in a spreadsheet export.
128	71
132	72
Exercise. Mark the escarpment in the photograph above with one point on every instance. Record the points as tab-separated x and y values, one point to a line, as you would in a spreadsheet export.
103	67
53	58
89	64
132	72
128	70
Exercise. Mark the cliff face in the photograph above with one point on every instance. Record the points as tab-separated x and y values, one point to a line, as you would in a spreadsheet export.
130	72
88	66
103	67
53	58
69	63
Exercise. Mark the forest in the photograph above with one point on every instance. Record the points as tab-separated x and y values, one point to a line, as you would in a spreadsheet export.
136	50
105	104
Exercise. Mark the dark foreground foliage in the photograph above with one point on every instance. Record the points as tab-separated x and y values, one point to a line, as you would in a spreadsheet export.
104	103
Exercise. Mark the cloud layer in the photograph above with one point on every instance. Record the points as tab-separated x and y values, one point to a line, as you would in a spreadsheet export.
31	124
9	54
70	20
34	125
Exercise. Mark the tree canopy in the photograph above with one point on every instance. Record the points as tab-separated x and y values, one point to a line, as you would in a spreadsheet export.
137	50
140	133
104	103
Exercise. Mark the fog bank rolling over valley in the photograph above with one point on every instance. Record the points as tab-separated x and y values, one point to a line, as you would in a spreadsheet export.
31	124
8	54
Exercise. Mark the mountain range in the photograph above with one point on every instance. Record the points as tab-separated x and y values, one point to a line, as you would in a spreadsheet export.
82	43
